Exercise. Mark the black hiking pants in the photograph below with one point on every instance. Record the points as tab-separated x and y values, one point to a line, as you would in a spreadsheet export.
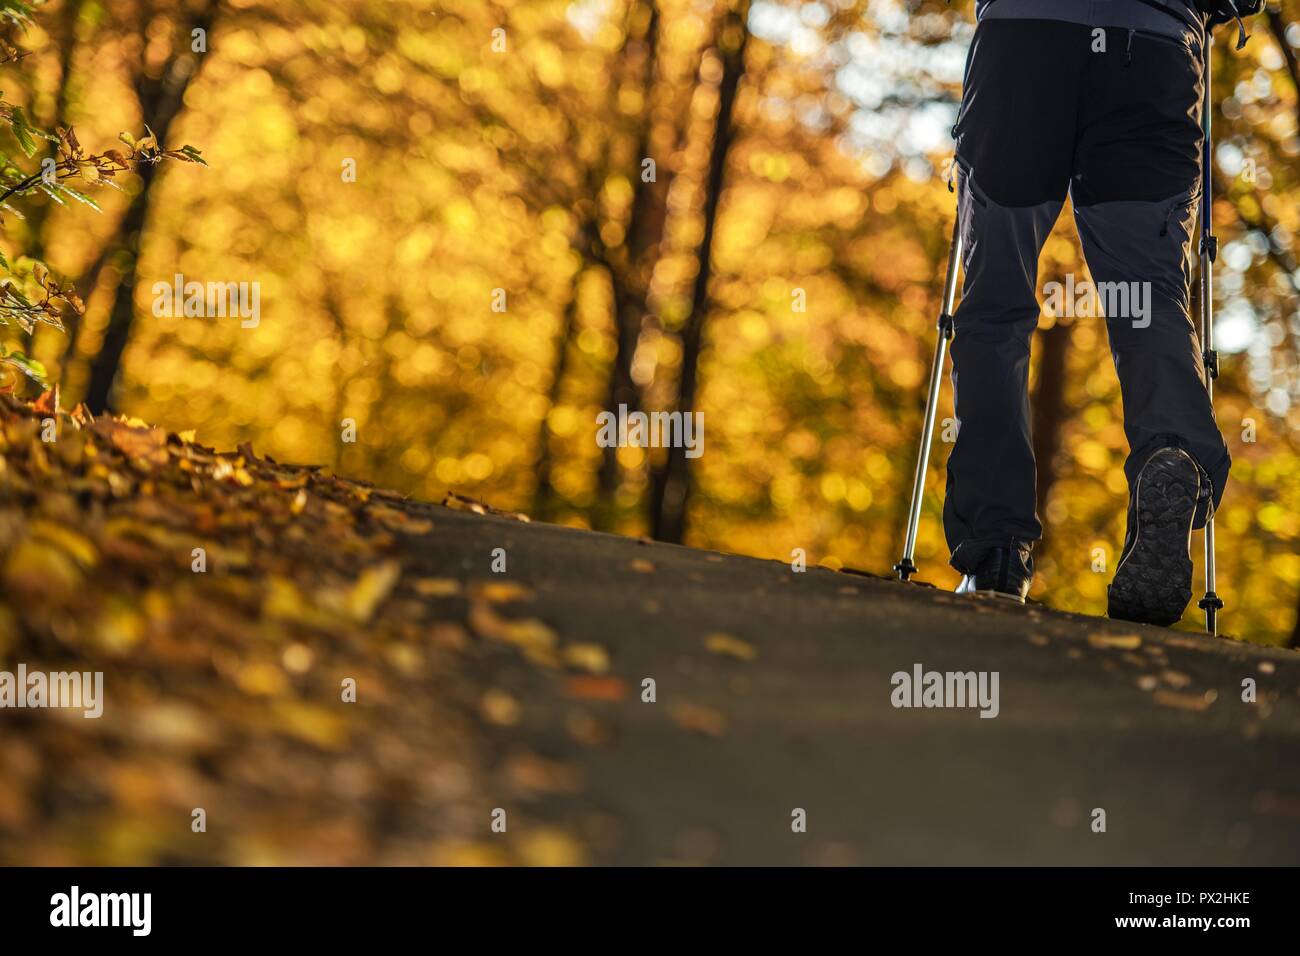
1111	117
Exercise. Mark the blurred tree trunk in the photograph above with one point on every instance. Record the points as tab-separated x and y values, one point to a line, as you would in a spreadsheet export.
671	485
544	496
332	302
104	366
630	264
161	99
1049	406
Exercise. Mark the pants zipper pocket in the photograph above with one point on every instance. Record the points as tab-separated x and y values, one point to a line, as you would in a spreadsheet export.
1163	38
1182	204
966	176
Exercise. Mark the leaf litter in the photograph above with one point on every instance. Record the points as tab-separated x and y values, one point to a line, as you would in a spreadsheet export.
227	598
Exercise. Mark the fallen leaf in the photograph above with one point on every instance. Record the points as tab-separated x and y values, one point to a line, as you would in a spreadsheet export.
37	570
595	688
459	502
173	724
399	520
262	679
698	719
73	543
498	707
726	645
1125	642
120	628
1196	702
375	584
535	639
591	658
48	403
499	592
537	774
407	660
449	635
550	846
477	854
436	587
137	443
588	729
284	601
311	723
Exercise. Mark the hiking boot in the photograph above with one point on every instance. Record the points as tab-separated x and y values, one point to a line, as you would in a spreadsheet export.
1002	572
1153	581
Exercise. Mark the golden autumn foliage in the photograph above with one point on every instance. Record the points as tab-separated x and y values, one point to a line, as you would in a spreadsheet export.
462	262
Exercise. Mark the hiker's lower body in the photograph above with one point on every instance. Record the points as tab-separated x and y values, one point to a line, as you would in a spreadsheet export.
1110	117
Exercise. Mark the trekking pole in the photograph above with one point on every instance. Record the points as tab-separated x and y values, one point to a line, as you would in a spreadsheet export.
905	566
1209	250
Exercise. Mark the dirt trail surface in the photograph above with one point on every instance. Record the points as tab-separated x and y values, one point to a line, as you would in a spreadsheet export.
500	669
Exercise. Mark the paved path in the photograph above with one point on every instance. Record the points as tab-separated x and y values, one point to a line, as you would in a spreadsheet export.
788	707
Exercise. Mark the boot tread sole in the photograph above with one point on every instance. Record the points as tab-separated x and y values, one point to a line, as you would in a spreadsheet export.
1153	583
